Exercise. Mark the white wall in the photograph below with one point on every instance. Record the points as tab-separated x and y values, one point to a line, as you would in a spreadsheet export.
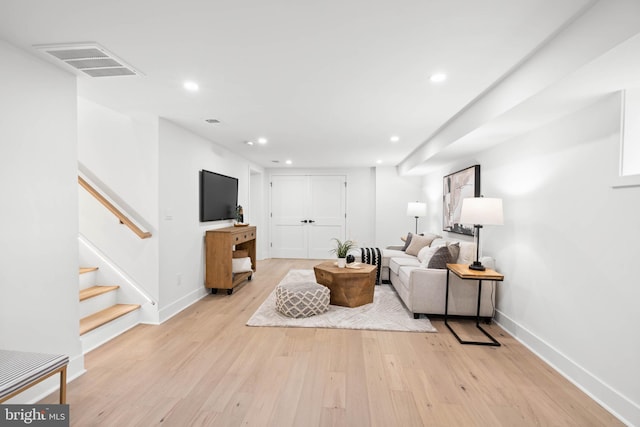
393	193
361	213
39	227
121	153
567	250
182	156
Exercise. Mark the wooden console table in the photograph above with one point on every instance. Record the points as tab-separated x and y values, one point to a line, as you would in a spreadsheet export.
465	273
219	247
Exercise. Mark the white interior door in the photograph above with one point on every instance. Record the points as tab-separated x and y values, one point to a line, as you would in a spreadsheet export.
289	196
327	211
307	211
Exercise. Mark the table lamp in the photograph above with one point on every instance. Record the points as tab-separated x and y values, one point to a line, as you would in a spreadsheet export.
480	211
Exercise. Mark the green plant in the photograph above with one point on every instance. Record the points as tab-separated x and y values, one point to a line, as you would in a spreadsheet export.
343	248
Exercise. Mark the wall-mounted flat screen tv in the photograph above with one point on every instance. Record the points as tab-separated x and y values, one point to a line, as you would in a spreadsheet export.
218	196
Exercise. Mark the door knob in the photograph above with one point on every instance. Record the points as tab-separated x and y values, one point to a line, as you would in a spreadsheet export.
305	221
311	221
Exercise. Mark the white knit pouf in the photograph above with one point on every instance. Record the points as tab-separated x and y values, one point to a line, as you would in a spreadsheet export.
302	299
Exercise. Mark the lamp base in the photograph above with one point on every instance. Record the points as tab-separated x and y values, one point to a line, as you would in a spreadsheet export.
477	265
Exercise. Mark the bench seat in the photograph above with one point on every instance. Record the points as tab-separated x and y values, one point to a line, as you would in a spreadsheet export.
21	370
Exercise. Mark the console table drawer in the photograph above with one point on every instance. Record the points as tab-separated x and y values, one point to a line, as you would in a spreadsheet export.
242	237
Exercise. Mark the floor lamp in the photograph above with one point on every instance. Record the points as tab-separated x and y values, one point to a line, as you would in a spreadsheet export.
480	211
416	209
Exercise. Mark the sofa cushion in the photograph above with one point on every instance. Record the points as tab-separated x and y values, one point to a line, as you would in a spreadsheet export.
387	254
397	262
419	242
440	258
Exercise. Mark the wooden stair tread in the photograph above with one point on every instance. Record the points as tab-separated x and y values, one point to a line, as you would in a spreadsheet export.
84	270
98	319
94	291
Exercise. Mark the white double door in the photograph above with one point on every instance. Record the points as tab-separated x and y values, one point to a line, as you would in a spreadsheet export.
307	212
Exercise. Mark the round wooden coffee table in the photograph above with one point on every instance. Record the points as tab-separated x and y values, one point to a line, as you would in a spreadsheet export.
348	287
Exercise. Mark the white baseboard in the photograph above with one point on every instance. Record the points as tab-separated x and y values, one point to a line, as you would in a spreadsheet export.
621	407
177	306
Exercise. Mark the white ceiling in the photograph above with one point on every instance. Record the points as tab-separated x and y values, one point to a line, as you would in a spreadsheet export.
327	82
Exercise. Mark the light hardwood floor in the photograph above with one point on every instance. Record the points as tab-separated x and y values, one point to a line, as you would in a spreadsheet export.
205	367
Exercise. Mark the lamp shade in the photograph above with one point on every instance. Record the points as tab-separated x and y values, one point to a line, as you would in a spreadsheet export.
481	211
416	209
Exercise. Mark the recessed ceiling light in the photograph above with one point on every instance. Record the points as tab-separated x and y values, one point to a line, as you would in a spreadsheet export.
379	161
288	162
191	86
394	138
438	77
249	142
262	140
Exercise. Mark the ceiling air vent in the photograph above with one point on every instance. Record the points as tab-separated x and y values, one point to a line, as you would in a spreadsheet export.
90	59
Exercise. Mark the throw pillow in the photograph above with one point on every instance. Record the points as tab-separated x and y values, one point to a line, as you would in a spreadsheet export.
407	241
431	237
239	265
441	258
417	243
425	254
439	242
454	249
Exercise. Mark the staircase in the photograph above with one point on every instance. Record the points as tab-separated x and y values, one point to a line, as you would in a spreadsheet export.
102	316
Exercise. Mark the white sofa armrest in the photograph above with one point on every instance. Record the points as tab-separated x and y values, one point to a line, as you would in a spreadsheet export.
427	289
419	286
423	290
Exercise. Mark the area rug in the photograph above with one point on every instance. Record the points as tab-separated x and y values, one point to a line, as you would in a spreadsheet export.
386	313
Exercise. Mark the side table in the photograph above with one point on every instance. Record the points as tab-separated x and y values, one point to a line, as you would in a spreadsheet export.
465	273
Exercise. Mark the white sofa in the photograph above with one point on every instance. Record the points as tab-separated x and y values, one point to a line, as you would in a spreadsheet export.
422	289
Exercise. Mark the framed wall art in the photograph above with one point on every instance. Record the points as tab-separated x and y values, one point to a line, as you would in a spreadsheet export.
457	186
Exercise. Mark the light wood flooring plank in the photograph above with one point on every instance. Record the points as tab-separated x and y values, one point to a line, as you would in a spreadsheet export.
204	367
